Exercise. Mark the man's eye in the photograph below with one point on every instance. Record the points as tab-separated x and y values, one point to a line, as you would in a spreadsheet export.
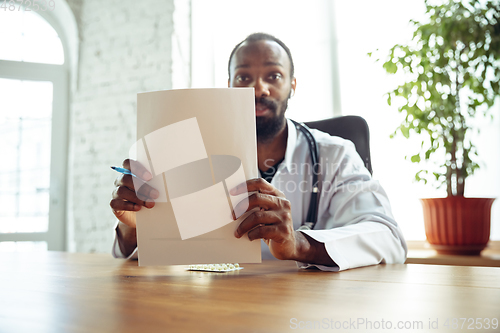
241	78
275	76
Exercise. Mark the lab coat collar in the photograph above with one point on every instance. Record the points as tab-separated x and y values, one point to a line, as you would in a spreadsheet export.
290	144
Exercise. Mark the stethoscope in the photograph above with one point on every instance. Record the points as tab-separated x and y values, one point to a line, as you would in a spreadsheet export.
312	213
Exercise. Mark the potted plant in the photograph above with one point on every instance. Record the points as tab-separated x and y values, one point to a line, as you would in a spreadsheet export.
452	73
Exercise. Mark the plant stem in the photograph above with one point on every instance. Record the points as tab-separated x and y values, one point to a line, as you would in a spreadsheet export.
453	165
449	190
458	137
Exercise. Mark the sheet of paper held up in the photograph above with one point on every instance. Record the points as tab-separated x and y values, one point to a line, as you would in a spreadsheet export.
197	144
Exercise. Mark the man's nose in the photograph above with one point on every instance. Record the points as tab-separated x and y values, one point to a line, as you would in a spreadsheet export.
261	88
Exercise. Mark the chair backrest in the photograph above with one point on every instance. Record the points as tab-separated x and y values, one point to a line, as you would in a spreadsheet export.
353	128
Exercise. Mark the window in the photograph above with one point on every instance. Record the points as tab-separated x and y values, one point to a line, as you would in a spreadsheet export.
30	38
25	136
33	134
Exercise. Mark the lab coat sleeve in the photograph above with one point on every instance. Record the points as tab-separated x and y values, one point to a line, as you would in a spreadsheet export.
356	218
116	251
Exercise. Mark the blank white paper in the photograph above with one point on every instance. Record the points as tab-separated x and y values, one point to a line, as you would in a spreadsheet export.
184	131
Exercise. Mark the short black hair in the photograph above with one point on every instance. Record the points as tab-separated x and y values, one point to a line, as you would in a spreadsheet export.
258	36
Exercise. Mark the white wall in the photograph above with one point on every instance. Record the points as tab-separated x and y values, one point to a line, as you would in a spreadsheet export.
125	48
304	26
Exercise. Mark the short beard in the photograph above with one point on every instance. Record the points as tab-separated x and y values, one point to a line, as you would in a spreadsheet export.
268	128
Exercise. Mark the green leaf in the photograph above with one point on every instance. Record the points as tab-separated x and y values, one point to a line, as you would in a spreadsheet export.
390	67
420	179
415	158
428	153
405	131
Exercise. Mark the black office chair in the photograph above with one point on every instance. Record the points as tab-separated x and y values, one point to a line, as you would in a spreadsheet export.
353	128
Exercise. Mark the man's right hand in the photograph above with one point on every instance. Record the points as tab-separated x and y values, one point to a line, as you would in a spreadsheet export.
126	200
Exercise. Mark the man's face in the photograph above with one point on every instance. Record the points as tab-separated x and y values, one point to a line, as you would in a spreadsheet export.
265	66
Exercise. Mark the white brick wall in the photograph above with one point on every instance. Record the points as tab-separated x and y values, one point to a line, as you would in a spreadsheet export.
125	48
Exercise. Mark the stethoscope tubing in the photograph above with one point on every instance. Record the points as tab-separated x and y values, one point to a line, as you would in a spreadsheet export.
312	213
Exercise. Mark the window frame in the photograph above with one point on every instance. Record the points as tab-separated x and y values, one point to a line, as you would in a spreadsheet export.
58	75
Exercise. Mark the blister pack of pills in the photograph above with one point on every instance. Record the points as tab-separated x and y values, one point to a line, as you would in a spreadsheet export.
220	268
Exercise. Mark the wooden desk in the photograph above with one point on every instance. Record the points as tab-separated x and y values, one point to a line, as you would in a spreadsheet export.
61	292
421	253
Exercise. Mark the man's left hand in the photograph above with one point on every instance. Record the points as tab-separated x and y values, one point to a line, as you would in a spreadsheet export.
272	222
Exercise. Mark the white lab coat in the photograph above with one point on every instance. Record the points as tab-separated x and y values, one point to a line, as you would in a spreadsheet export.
355	222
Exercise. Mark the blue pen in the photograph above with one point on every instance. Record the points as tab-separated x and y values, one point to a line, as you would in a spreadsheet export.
124	171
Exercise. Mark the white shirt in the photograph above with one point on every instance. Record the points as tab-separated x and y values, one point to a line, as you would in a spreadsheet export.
355	221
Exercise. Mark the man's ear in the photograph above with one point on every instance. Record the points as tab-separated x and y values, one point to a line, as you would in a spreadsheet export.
294	85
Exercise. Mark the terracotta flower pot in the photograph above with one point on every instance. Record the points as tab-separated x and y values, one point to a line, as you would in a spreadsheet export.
457	225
